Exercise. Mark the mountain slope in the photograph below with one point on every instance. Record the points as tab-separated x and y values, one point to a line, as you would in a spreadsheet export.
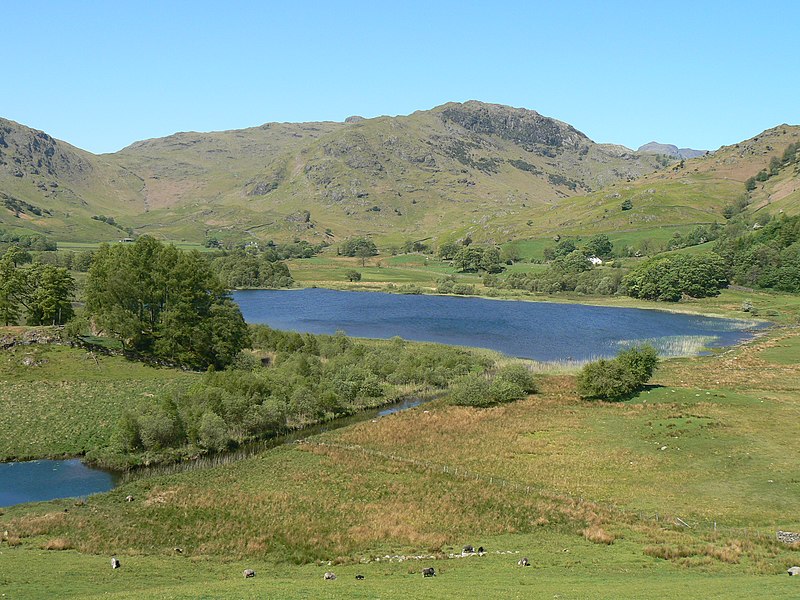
451	168
50	187
491	171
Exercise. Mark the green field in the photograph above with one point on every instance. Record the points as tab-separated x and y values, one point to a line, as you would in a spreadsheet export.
86	393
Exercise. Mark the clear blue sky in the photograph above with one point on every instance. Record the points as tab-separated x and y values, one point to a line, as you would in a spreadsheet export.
101	75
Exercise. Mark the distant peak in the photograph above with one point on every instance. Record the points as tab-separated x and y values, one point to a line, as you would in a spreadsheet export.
670	150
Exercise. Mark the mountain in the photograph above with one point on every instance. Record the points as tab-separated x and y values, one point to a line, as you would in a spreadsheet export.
696	192
670	150
491	171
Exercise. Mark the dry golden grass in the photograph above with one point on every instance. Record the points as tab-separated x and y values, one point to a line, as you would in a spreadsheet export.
598	535
58	544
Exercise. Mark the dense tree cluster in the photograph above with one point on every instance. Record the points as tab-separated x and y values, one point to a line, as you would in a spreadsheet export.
476	258
619	377
767	258
41	293
28	242
668	278
242	269
159	300
598	245
310	379
570	273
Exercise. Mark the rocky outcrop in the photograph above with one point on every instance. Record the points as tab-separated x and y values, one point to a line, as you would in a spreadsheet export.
788	537
521	126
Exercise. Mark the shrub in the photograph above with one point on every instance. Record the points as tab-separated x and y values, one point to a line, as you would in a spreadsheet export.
620	377
353	275
502	391
518	375
213	431
472	390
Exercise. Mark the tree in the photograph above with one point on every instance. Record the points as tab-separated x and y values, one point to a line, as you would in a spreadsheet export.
468	258
448	250
48	291
159	300
359	246
599	245
9	285
490	261
510	254
564	247
353	275
620	377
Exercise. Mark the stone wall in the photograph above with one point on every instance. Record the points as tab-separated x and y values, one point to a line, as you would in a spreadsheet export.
788	537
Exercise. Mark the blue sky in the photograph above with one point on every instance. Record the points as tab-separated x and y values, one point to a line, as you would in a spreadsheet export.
102	75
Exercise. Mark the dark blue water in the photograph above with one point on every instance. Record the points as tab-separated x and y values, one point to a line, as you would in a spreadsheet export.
537	330
49	479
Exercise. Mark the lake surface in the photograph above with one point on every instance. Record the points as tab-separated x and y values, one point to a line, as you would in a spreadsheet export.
39	480
543	331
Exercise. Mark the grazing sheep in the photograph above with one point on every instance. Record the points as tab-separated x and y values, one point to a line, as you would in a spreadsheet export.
329	576
481	550
179	550
248	573
469	550
115	564
524	562
793	571
359	577
429	572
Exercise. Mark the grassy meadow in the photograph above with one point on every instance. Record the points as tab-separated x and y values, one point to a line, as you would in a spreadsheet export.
678	489
62	401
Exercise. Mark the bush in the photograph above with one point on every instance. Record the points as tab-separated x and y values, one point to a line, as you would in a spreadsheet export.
213	432
518	375
620	377
353	275
502	391
472	390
